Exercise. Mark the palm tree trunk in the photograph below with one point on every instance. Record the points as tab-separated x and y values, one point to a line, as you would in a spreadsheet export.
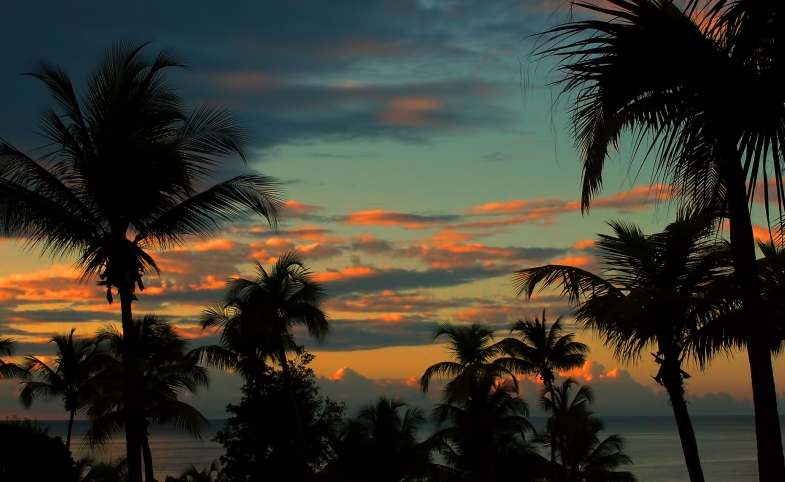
549	387
68	436
295	414
553	457
673	383
130	389
771	463
148	457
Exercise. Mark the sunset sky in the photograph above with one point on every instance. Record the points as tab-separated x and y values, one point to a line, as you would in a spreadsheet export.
423	159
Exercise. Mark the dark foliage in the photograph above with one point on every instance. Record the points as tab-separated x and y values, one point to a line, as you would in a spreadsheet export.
380	444
24	444
260	442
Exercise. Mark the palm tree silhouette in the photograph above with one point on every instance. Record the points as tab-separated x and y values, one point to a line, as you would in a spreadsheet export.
121	179
574	435
8	369
657	292
77	361
700	89
482	435
541	351
381	444
258	316
167	371
208	474
473	351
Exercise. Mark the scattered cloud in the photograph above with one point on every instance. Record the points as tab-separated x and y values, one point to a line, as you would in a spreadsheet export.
377	217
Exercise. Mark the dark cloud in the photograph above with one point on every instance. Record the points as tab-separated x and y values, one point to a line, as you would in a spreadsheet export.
347	335
371	245
401	279
297	71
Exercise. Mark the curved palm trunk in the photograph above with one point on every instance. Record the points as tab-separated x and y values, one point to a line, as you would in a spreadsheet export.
68	436
771	464
673	383
131	404
148	457
296	414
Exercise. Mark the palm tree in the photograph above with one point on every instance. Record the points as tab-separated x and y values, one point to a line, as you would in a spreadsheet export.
208	474
573	434
8	369
120	176
473	351
167	370
657	292
703	84
381	444
257	317
542	351
481	436
77	361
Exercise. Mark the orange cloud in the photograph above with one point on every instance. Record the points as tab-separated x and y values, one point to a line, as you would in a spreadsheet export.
637	199
348	273
761	232
209	283
212	245
412	111
572	261
586	243
377	217
296	209
591	370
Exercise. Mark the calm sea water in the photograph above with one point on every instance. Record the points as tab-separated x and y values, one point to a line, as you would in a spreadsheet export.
726	444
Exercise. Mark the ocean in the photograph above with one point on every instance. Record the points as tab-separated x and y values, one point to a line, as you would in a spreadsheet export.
726	444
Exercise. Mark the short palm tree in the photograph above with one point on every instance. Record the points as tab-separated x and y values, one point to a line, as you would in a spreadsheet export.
657	292
699	88
539	350
473	354
167	371
483	434
257	318
574	435
8	369
120	177
380	443
77	361
207	474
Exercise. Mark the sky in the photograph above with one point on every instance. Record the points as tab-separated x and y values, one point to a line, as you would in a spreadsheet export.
424	158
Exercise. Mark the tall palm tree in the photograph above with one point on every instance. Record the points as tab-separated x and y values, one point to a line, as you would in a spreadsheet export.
473	353
167	371
574	435
700	88
483	434
257	318
8	369
657	291
542	351
120	177
381	444
77	361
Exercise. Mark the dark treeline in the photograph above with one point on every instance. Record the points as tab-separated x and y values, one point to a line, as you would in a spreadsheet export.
697	87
